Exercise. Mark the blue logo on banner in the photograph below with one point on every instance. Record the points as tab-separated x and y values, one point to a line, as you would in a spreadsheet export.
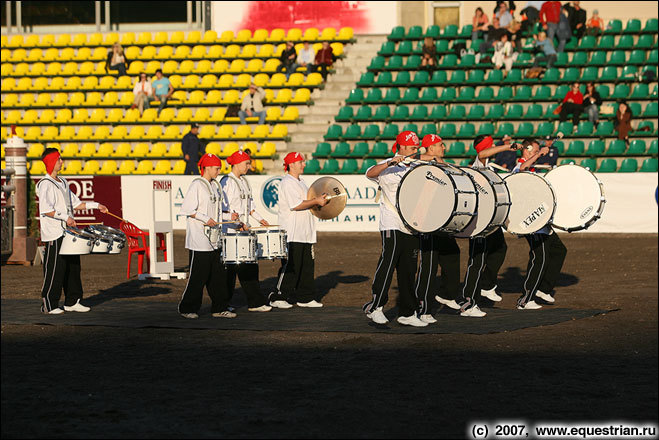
270	194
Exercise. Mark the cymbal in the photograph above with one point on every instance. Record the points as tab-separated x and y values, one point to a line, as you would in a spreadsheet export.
334	189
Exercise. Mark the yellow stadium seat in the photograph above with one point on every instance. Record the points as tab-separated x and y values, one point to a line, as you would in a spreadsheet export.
191	82
260	79
157	150
291	114
271	65
100	69
97	116
279	131
165	53
225	37
132	53
225	81
73	83
345	33
72	167
162	167
232	51
99	54
301	96
42	100
178	168
82	54
261	131
272	114
283	96
198	52
15	41
169	67
34	55
279	49
71	68
136	133
47	40
127	38
311	34
24	84
30	116
38	168
242	132
40	83
267	149
277	35
151	67
230	97
159	39
63	115
84	133
66	133
106	82
5	54
123	150
141	150
127	99
208	81
337	48
277	80
31	41
148	53
11	100
174	150
80	115
51	54
166	115
269	95
203	67
172	132
230	148
226	169
69	150
102	132
92	99
317	46
91	168
110	39
27	100
249	51
177	37
218	114
213	97
251	146
176	81
295	80
9	84
214	52
154	132
207	131
186	66
13	117
109	167
79	40
209	37
144	167
183	115
182	52
35	150
149	115
193	37
225	131
105	150
260	35
294	34
18	55
120	132
328	34
95	39
114	115
38	69
109	99
87	150
56	83
91	82
243	36
143	38
213	148
243	80
313	80
254	66
266	51
220	66
126	167
136	67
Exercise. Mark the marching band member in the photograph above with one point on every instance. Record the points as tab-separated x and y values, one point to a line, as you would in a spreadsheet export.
239	201
56	206
546	250
203	207
296	275
437	249
399	246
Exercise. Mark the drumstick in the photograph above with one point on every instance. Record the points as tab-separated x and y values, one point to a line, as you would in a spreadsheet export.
115	216
336	195
262	227
88	224
499	167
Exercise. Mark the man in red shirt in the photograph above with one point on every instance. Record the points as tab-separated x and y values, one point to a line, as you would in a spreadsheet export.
324	59
550	16
572	103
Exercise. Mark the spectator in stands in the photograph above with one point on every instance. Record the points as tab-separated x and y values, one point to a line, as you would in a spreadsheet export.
162	89
591	103
324	59
532	13
551	158
252	105
252	165
548	51
623	122
595	25
143	91
572	104
288	59
503	16
116	60
510	5
191	147
479	24
550	16
306	57
563	33
504	55
508	158
428	54
577	18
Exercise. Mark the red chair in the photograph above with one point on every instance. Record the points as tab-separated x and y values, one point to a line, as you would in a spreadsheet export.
138	242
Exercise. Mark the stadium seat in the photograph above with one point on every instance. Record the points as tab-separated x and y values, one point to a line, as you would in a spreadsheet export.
380	149
323	150
447	130
628	165
334	132
476	112
364	113
633	26
515	111
524	130
371	132
312	166
331	166
604	129
607	166
390	131
636	148
360	150
596	148
590	164
649	165
495	112
342	149
382	113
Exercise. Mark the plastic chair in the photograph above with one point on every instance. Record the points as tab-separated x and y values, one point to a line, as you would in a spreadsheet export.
133	235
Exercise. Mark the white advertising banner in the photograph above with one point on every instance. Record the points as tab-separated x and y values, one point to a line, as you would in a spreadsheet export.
631	201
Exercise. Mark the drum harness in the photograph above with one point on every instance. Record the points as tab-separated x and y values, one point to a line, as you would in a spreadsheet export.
388	203
66	193
216	200
245	195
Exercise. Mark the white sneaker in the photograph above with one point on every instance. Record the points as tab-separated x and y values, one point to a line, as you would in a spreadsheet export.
225	314
190	315
312	303
448	303
491	294
544	296
531	305
263	308
56	311
377	316
428	318
280	304
411	320
77	307
474	312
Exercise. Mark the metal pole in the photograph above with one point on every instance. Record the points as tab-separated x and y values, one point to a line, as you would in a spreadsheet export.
97	15
19	18
8	16
108	25
198	20
189	4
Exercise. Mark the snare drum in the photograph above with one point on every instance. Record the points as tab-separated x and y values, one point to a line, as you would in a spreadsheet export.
532	203
493	203
579	197
271	244
77	242
102	242
436	197
239	247
213	234
118	237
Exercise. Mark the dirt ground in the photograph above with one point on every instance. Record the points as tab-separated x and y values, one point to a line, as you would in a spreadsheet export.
66	381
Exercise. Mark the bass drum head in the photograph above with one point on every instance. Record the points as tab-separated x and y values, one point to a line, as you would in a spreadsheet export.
579	197
532	203
426	198
486	204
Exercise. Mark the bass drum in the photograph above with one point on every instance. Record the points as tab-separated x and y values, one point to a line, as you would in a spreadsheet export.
493	203
532	203
436	197
579	197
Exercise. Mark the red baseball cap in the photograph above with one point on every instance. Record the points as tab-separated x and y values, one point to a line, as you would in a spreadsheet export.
430	139
209	160
293	157
406	139
238	157
484	144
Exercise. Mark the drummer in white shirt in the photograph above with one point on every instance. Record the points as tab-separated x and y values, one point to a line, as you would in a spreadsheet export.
202	206
546	250
296	275
238	200
399	246
57	204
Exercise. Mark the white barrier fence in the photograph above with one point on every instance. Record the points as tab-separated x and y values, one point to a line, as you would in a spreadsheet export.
631	202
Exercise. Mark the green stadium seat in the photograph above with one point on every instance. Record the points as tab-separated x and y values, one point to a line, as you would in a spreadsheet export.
447	130
356	96
652	149
438	78
331	166
552	75
432	31
628	165
334	132
383	79
637	57
476	112
366	80
595	148
542	93
584	129
421	78
485	94
342	149
353	131
565	127
649	165
616	148
451	31
589	74
323	149
609	74
567	161
617	58
377	63
371	132
429	95
641	91
392	96
349	166
524	59
578	59
633	26
486	128
604	129
411	95
380	149
603	90
413	62
653	57
505	93
401	113
420	113
448	94
494	76
505	128
534	111
651	110
414	33
404	48
466	31
366	164
625	42
544	129
467	61
644	128
311	166
598	58
523	93
382	113
572	74
587	43
559	146
471	151
466	162
390	131
374	96
524	130
387	48
457	77
636	148
645	41
513	77
614	27
428	129
495	112
456	149
449	61
466	94
411	127
360	150
590	164
476	77
364	113
608	166
397	33
438	113
402	78
650	26
457	112
345	114
635	107
560	92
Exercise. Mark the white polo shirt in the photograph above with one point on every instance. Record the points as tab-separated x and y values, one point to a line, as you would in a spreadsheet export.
300	226
204	201
389	181
55	196
238	198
